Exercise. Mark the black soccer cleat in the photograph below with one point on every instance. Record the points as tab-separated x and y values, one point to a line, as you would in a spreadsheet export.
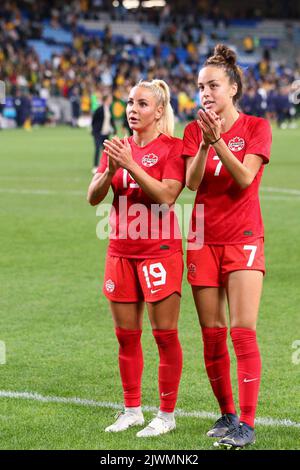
242	436
227	423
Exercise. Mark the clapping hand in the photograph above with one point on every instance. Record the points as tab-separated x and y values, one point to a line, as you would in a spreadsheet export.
211	125
119	152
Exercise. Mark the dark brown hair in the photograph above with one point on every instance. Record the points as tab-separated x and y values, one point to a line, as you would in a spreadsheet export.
226	58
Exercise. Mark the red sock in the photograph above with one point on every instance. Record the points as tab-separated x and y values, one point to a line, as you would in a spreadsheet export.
131	364
217	362
249	371
170	367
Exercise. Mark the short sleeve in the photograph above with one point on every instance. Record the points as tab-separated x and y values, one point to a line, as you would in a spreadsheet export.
260	140
191	139
174	168
103	163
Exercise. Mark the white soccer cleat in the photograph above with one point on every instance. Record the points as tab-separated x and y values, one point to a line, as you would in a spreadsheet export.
125	420
157	427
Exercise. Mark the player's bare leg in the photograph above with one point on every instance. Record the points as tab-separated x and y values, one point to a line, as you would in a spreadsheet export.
164	316
210	304
128	319
127	315
244	292
211	308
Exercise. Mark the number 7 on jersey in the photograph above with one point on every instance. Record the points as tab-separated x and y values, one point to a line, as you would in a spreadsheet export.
219	165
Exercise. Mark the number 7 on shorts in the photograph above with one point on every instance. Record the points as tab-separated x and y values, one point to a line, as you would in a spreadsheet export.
252	249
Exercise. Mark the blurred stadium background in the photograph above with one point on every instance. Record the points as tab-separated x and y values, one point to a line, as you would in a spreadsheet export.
59	377
58	58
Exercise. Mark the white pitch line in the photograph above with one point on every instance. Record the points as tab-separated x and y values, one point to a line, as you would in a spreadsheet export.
270	189
100	404
191	195
267	197
42	192
183	197
39	178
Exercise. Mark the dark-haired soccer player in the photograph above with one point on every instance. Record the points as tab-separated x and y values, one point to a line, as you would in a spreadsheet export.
225	152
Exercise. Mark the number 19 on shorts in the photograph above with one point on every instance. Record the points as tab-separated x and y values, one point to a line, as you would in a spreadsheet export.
155	276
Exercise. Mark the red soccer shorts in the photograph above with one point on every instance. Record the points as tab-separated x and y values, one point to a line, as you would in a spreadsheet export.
133	280
210	265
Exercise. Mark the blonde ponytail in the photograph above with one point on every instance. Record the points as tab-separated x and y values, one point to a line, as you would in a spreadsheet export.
161	91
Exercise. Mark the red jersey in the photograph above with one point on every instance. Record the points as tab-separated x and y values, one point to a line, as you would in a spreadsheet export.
138	228
231	215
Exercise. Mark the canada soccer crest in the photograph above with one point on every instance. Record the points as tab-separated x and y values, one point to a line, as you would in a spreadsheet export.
192	268
149	160
110	285
236	144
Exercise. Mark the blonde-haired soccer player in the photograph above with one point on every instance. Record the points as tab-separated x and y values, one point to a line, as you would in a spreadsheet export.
146	169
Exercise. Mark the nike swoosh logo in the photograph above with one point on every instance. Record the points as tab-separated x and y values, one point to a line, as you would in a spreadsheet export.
250	380
166	394
153	291
229	439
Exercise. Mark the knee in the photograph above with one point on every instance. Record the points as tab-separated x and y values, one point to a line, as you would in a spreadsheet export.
213	323
128	337
165	338
215	342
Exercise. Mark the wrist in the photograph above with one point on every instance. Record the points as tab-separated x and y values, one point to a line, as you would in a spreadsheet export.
204	145
111	173
132	166
215	141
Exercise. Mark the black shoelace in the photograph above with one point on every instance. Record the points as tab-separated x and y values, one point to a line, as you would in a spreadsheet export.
223	420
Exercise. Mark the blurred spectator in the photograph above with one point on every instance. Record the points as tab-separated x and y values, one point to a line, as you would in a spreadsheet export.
1	116
285	111
251	102
75	103
248	44
103	124
22	104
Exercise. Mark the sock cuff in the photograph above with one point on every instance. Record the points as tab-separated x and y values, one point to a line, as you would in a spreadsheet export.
164	333
156	331
128	334
126	331
241	333
214	334
165	336
244	341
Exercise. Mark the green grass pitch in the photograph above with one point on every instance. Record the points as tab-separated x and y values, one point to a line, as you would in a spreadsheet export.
55	322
